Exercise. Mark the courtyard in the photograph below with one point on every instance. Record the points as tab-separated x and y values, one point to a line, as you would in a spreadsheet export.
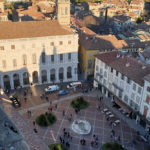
98	120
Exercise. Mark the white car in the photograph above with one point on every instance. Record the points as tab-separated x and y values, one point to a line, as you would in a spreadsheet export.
74	84
51	88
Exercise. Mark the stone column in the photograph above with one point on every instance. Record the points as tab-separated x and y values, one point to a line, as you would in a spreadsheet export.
57	75
21	79
48	76
65	75
11	82
40	77
2	82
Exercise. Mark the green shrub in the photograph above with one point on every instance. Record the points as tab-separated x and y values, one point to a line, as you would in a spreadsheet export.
111	146
57	146
79	103
46	119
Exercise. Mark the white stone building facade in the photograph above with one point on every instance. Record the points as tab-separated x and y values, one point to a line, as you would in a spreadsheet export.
114	83
38	60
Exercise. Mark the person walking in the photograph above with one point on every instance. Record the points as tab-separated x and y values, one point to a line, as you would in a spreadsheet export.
63	113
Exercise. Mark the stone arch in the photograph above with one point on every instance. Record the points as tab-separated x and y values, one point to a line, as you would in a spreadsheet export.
44	76
35	77
26	78
69	72
6	80
52	75
61	73
16	80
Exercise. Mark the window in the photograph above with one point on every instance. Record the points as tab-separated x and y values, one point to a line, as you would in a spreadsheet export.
52	44
138	99
60	43
132	96
147	99
62	11
61	57
4	63
12	46
126	98
69	56
90	54
117	73
148	89
106	66
101	71
69	42
75	70
139	90
52	58
105	74
34	58
96	68
112	70
43	57
14	62
104	82
122	76
128	81
120	94
1	47
89	64
66	10
24	57
134	86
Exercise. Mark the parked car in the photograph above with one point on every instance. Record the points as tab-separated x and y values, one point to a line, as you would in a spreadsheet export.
63	92
74	84
51	88
15	101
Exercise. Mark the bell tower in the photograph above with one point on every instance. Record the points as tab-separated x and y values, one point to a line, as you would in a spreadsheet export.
63	12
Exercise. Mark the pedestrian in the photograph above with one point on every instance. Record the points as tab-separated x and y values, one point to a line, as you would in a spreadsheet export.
34	123
56	106
118	138
31	93
46	98
25	99
64	130
92	143
60	139
35	130
51	109
41	96
63	113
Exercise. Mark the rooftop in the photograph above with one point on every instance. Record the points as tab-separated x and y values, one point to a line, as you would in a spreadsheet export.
126	64
30	29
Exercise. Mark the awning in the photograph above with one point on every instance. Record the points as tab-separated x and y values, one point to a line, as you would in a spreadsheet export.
122	105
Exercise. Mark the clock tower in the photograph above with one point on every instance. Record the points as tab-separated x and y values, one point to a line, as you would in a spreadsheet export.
63	12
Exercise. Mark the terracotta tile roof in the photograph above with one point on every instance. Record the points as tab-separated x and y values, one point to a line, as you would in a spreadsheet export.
30	29
87	31
136	70
96	42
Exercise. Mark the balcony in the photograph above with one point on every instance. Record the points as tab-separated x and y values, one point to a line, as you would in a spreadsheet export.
101	76
117	87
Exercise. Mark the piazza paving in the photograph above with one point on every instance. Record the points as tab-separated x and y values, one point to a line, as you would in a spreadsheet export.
100	126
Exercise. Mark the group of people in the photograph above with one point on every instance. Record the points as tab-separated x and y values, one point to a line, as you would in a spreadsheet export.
94	142
66	138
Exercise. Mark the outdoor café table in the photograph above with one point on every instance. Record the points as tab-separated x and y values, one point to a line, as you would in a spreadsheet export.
111	116
105	109
108	113
117	121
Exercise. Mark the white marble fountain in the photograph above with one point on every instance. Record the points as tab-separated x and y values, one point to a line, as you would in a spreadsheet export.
82	127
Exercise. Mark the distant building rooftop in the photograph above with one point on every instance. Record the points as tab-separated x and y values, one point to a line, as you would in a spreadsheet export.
30	29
